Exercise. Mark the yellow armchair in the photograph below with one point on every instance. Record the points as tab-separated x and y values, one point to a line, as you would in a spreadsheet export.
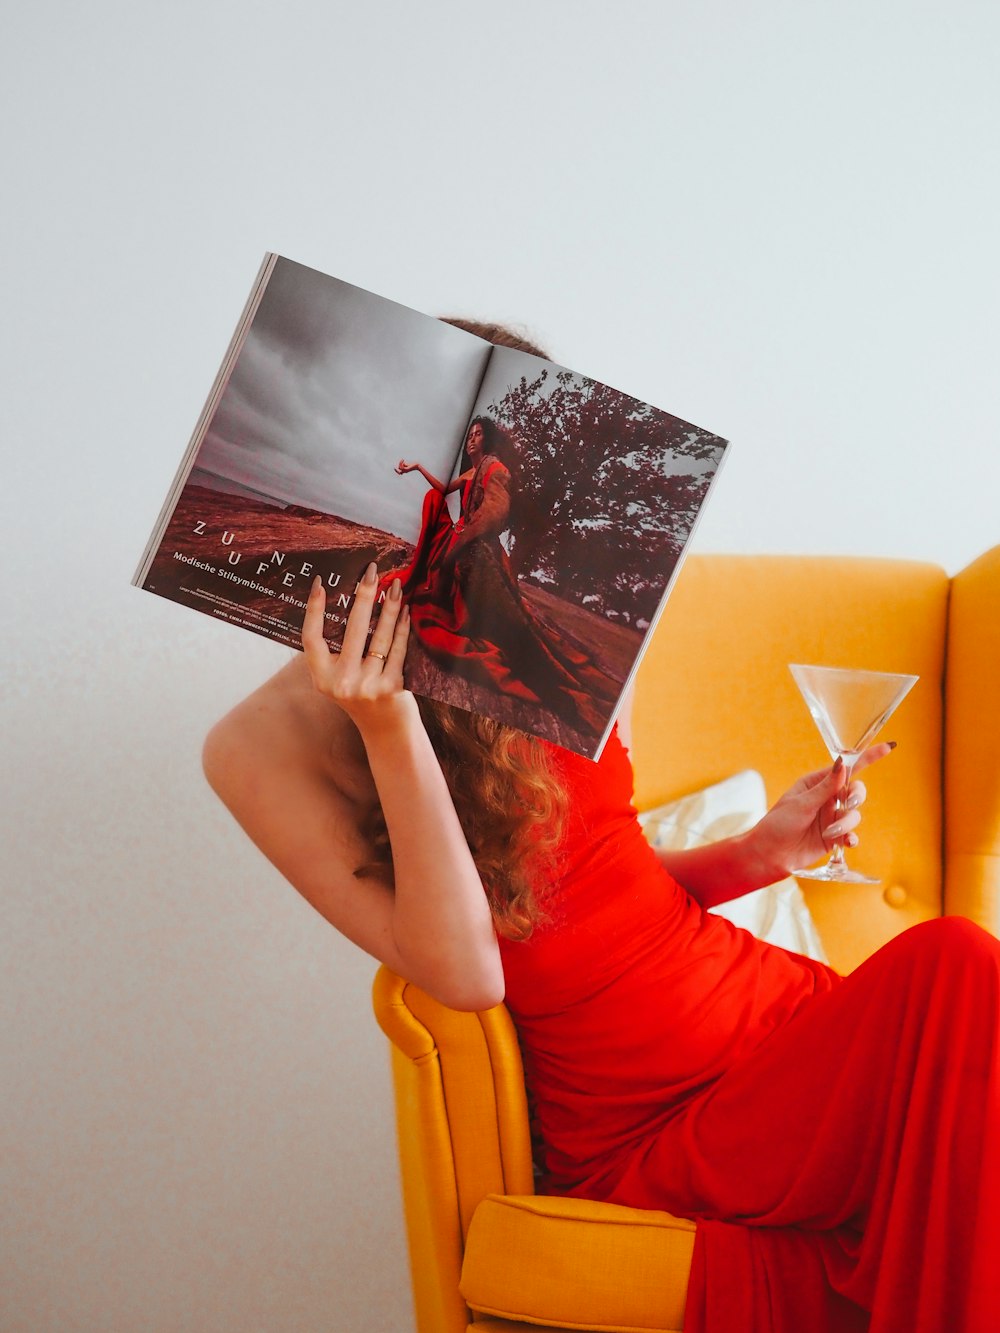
713	696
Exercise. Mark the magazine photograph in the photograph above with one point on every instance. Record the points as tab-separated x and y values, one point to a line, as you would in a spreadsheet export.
535	517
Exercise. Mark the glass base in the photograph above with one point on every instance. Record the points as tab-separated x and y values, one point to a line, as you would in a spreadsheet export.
835	874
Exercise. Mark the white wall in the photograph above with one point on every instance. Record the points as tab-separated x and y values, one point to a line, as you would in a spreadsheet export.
776	219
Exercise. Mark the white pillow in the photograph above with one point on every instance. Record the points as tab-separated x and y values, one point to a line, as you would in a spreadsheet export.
778	913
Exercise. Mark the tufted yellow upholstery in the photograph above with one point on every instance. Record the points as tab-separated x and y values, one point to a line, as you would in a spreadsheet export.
714	695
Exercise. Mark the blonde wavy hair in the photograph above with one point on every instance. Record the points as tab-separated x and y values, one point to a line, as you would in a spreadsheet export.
509	801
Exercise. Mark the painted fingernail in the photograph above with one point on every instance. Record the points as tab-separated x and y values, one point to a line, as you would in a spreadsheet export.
852	803
839	764
404	615
395	590
371	573
891	744
317	584
834	831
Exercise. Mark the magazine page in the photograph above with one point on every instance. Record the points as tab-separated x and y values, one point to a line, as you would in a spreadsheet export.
574	507
292	472
211	403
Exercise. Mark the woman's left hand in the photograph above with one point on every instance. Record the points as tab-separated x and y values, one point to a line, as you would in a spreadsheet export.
804	825
366	683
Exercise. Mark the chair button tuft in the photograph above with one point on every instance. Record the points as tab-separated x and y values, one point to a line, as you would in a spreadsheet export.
894	895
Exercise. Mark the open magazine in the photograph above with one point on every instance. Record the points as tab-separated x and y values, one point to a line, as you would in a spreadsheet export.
536	517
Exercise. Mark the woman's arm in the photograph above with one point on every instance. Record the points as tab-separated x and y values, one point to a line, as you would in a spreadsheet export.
800	828
403	467
289	762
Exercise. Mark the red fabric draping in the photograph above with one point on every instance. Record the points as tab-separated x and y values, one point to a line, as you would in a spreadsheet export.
838	1138
467	610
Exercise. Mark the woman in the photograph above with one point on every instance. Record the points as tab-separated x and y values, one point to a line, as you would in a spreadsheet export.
838	1139
465	602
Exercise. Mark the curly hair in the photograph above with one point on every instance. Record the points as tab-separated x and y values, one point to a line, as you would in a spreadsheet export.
509	800
511	806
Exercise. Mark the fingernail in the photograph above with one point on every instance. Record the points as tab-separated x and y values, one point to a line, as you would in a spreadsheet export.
395	590
891	744
834	831
839	764
317	584
852	803
404	615
371	573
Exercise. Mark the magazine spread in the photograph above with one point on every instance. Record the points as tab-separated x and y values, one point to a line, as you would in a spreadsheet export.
536	517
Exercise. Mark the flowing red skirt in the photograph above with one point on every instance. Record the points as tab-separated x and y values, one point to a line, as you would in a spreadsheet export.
855	1156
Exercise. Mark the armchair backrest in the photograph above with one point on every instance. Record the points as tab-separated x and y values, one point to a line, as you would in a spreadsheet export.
462	1128
714	695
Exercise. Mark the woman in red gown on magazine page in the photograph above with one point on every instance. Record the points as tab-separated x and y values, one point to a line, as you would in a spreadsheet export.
836	1138
465	603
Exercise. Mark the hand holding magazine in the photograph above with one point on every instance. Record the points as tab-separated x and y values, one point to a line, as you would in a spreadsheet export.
535	517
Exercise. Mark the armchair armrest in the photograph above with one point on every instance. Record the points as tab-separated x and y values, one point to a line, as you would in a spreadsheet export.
578	1264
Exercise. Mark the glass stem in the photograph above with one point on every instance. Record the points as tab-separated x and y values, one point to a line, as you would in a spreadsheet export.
840	809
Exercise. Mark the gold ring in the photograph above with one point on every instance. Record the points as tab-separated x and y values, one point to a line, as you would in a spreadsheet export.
380	656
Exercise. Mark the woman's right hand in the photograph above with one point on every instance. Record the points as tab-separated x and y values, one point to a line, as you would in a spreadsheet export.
403	466
368	686
820	810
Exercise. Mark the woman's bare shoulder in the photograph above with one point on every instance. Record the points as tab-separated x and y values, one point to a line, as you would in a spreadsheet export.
290	767
287	721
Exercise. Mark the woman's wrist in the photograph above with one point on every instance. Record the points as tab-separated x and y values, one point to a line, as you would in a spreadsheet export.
387	721
760	865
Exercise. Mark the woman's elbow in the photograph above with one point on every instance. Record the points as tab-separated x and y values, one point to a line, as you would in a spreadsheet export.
471	991
222	760
474	999
214	759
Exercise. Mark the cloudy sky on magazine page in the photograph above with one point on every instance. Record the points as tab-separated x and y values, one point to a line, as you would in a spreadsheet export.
335	385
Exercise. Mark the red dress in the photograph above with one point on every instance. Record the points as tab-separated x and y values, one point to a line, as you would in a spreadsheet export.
468	612
838	1138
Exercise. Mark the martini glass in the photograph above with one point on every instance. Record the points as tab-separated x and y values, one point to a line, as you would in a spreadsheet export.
849	707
